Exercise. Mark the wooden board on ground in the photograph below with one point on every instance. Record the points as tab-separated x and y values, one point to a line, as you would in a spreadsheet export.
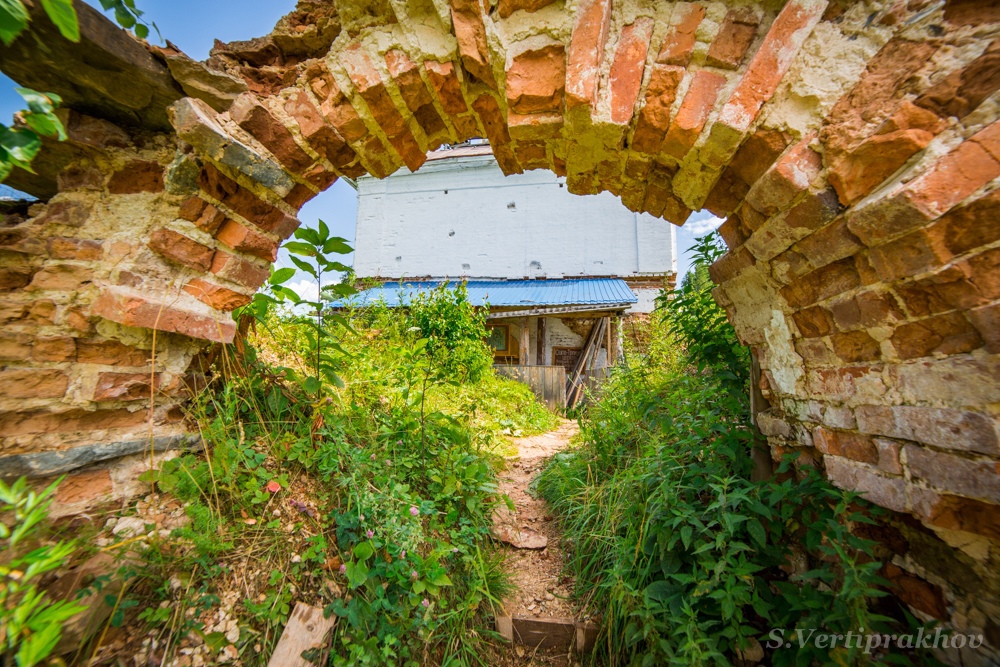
306	629
558	633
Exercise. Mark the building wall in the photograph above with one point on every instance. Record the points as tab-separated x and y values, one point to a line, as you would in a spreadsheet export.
463	217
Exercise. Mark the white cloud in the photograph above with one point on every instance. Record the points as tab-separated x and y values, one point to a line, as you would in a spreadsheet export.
702	227
305	288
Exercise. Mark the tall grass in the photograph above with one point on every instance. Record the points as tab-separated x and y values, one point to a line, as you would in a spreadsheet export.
684	558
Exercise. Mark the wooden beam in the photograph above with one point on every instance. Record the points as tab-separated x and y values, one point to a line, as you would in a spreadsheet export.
108	74
540	343
306	630
524	343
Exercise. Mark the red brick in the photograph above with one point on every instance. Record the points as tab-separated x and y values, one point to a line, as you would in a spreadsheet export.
137	176
536	80
888	492
871	100
54	348
969	227
916	592
216	296
769	64
680	41
335	107
854	346
62	278
888	455
268	130
508	7
847	444
970	166
470	31
821	284
731	265
965	514
27	423
84	488
135	311
939	427
814	322
243	239
192	208
654	118
110	353
907	132
733	39
963	90
625	78
323	138
33	383
938	293
245	203
124	386
910	255
758	153
976	479
950	333
814	211
732	233
987	322
830	244
583	62
66	212
445	82
61	247
418	99
181	249
492	118
726	194
693	113
15	347
888	218
984	273
790	176
238	270
373	91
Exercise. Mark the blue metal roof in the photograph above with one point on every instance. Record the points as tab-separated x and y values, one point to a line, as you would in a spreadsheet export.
508	293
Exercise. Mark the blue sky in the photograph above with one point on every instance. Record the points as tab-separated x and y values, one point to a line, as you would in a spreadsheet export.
193	25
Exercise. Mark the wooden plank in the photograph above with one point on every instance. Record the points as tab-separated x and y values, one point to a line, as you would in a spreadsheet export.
306	629
540	354
525	342
557	633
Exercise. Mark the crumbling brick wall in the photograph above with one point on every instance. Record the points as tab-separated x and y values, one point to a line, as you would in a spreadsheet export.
853	148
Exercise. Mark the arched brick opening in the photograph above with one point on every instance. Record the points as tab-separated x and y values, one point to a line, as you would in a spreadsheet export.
853	148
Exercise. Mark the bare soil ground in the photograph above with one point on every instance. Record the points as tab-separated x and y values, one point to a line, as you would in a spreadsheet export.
533	542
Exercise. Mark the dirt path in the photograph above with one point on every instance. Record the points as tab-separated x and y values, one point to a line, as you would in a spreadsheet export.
532	539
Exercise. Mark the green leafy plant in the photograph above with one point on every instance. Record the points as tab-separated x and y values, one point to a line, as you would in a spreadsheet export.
30	622
455	331
688	561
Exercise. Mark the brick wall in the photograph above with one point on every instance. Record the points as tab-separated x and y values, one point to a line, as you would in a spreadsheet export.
853	148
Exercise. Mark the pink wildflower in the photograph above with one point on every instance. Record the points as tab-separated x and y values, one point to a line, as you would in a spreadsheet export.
425	602
343	568
414	511
414	575
370	533
403	555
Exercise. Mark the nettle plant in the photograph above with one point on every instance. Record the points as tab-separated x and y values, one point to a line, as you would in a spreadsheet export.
20	144
310	252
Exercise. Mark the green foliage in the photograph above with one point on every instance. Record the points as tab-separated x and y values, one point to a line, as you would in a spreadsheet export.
685	557
310	253
698	323
455	331
30	623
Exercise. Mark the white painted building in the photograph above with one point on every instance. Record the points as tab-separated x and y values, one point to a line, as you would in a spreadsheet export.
459	216
557	270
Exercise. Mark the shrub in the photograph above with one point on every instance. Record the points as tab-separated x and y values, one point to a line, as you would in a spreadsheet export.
455	331
686	559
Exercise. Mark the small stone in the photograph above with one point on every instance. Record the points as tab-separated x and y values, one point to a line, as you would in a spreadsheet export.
550	596
233	635
129	526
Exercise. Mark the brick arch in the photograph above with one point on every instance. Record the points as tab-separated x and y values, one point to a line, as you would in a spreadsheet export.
853	149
